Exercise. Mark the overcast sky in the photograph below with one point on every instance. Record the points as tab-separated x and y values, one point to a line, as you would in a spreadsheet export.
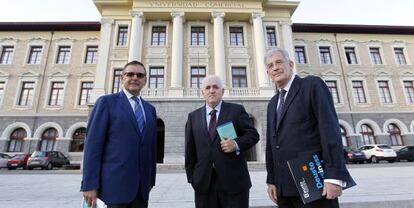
372	12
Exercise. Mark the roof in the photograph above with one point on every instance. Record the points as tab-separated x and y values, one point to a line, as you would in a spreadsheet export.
50	26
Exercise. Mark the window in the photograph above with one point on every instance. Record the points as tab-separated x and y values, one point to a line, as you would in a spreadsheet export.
350	55
47	142
375	56
384	90
2	87
158	36
26	94
6	56
409	91
35	55
325	55
122	36
399	56
271	36
334	90
359	93
16	140
56	94
156	77
198	36
300	55
91	54
117	80
239	77
395	135
63	55
78	140
367	134
197	75
236	36
85	92
344	136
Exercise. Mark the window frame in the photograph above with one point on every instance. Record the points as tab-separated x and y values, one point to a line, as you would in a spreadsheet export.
10	57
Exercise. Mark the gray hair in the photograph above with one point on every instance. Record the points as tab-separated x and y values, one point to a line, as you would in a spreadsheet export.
212	77
272	52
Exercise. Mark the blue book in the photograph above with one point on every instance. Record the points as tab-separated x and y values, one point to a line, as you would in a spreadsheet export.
227	131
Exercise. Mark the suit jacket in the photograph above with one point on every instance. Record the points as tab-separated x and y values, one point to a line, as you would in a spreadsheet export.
119	160
309	124
201	152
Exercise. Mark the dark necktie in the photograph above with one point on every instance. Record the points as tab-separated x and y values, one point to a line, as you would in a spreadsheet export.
212	124
139	114
279	110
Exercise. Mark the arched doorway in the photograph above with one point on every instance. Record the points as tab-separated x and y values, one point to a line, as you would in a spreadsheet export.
160	140
78	140
251	154
47	142
16	140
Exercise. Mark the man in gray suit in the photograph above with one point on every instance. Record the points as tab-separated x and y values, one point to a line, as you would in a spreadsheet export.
216	168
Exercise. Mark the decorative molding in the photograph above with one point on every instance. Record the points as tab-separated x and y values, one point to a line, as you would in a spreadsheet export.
29	74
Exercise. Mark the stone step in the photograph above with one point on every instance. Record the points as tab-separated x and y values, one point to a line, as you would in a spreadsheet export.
178	167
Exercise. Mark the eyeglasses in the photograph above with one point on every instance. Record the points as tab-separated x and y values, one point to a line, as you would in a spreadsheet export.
132	74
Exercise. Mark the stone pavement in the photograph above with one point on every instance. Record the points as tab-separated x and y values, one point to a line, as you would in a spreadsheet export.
379	186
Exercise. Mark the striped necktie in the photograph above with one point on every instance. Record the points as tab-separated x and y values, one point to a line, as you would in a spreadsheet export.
139	114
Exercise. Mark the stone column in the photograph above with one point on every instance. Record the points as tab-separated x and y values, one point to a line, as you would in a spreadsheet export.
288	39
219	58
135	45
177	50
102	64
259	43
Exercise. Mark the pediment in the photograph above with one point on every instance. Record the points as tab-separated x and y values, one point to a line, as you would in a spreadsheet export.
407	73
382	73
304	73
58	74
4	74
86	74
330	73
29	74
357	73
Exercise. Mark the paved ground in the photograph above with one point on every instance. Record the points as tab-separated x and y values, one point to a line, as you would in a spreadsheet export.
379	185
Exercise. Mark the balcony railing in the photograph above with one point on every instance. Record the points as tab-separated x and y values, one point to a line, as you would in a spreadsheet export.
196	93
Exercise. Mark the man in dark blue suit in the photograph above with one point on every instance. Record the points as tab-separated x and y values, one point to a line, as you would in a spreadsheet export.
217	169
301	119
119	163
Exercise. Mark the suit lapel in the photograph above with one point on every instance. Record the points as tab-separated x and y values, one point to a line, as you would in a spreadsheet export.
204	126
293	91
129	111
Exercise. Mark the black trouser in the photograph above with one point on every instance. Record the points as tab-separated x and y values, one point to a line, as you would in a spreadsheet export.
215	198
296	202
138	202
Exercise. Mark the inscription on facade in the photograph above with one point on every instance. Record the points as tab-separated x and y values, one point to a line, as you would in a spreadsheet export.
197	4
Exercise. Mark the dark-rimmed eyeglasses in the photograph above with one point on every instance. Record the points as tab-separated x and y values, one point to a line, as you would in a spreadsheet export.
132	74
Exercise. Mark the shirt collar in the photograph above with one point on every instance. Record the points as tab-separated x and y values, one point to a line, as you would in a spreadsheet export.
129	95
218	107
287	87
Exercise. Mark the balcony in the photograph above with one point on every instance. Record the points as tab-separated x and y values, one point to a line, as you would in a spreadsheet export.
196	93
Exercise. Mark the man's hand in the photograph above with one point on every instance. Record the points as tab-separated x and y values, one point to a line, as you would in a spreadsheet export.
331	191
90	197
271	190
228	145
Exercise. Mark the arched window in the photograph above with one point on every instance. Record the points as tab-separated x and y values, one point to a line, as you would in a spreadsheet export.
48	139
16	140
344	136
78	139
395	134
367	134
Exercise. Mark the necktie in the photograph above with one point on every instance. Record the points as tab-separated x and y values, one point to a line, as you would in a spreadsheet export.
279	110
139	114
212	124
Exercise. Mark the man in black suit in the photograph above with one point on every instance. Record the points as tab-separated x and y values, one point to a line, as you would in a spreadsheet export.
301	119
217	169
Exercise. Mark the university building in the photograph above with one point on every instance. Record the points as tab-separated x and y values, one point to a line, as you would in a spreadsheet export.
51	73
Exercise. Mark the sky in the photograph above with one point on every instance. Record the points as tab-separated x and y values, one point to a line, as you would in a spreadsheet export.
364	12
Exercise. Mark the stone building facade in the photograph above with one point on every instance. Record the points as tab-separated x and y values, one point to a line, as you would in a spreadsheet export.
51	72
